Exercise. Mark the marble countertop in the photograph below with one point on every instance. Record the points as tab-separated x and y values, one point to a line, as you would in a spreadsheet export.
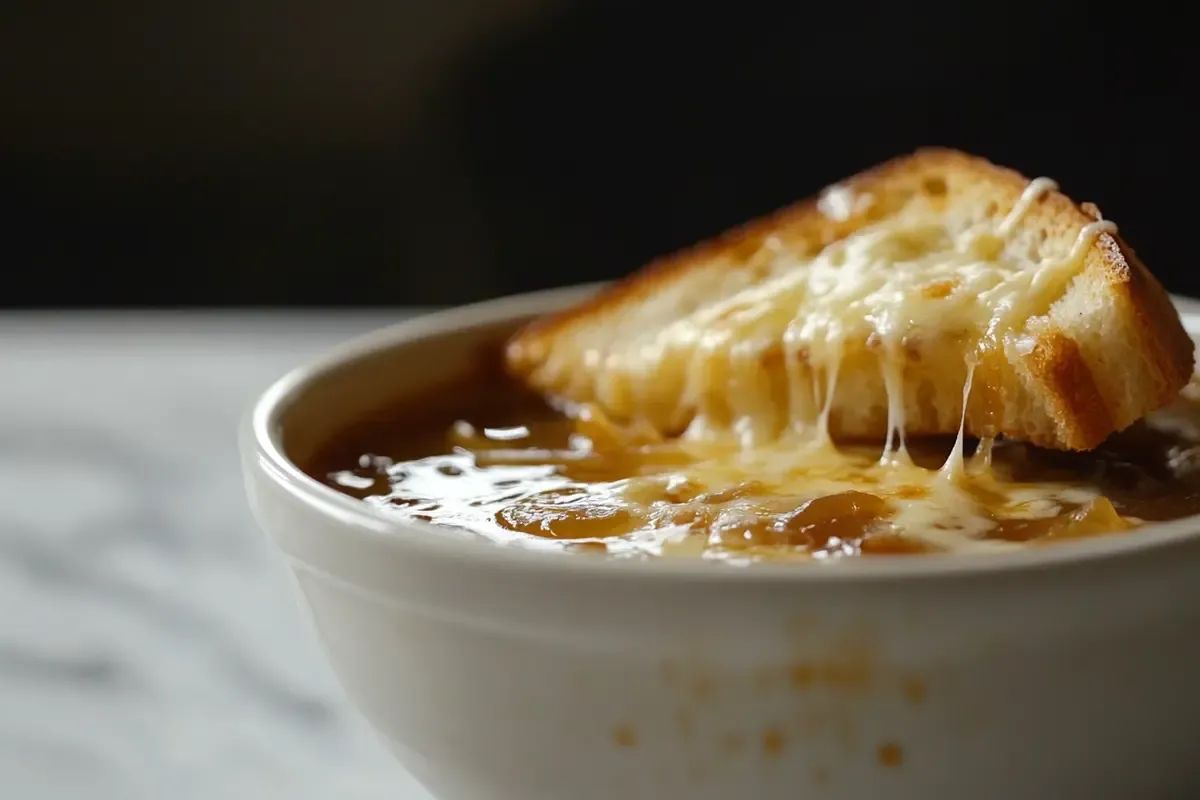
150	646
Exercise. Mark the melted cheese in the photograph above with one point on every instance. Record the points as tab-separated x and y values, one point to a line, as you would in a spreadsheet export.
954	468
767	357
918	271
952	509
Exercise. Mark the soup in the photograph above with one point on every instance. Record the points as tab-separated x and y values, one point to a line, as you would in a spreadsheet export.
487	456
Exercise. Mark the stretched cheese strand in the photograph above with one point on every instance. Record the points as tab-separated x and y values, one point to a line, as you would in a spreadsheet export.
895	451
954	468
831	377
981	462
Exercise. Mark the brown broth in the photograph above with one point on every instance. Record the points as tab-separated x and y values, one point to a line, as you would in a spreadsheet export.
489	457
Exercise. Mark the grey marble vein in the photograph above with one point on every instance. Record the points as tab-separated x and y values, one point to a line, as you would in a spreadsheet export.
149	643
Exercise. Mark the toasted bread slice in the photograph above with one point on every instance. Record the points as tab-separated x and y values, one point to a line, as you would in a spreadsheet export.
868	310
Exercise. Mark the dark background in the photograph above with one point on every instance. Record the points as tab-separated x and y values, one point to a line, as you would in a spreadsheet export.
384	153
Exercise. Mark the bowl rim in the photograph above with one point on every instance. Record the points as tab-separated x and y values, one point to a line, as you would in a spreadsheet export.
263	450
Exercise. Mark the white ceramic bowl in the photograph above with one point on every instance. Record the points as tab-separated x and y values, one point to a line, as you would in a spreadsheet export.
504	674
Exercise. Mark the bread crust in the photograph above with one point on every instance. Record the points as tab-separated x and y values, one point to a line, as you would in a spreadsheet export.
1066	392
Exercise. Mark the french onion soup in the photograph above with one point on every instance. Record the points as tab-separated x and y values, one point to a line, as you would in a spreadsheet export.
488	456
936	355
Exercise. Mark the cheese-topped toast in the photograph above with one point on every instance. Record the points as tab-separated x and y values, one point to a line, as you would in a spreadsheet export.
879	309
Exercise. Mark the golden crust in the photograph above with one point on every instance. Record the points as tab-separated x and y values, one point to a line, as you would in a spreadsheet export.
1058	365
1115	306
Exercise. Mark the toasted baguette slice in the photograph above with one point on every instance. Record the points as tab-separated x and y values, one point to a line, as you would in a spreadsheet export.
866	312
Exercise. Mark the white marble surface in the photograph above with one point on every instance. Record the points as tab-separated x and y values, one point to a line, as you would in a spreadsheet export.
149	644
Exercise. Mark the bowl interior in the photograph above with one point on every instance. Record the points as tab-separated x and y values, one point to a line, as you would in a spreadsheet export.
375	379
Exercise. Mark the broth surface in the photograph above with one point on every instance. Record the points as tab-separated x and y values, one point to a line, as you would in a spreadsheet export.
489	457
